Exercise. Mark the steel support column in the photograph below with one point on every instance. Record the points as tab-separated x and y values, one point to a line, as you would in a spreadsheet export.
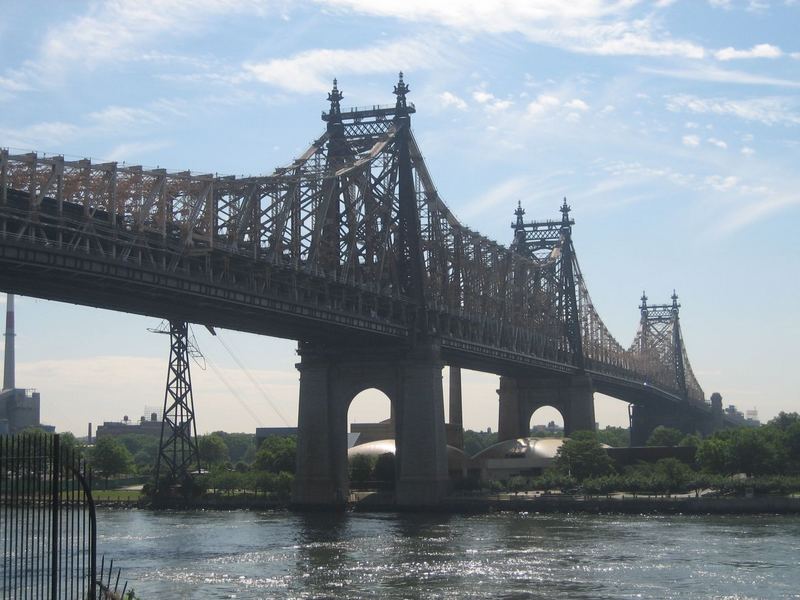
177	451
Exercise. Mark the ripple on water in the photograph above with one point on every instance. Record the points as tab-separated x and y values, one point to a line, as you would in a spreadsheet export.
280	555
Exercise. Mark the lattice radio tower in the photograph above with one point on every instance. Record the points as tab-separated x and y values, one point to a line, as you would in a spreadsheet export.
177	452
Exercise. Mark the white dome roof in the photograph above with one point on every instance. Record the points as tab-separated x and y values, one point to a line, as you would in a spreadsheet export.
455	456
529	447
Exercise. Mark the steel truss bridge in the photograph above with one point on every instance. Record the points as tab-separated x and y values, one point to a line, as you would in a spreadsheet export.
351	242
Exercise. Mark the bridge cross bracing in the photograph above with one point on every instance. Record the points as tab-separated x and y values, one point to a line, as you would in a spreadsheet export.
350	239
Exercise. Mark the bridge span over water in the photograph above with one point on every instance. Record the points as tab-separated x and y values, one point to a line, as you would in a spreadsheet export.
351	251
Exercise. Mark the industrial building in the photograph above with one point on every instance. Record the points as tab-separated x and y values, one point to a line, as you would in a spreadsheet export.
19	407
145	426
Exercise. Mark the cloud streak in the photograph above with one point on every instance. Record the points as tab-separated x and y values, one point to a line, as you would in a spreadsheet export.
121	30
710	73
757	51
311	71
768	111
583	26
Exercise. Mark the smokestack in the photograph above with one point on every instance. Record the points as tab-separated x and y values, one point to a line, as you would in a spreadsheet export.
8	370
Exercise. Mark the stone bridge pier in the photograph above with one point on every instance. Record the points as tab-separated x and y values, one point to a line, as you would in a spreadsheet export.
330	377
520	397
683	417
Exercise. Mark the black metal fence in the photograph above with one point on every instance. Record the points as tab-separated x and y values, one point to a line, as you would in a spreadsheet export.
47	520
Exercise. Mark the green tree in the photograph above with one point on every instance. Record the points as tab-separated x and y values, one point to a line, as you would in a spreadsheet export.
475	441
143	448
212	449
664	436
277	454
712	454
618	437
109	458
691	440
755	451
785	420
226	481
241	446
361	466
582	456
672	474
384	468
792	444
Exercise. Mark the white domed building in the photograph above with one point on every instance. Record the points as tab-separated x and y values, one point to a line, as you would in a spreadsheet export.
527	457
457	461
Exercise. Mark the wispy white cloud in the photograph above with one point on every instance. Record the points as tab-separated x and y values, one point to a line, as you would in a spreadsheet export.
584	26
111	122
133	151
747	151
757	51
577	104
312	71
123	30
714	74
490	102
112	117
718	143
754	211
507	192
769	111
48	135
543	104
741	199
722	183
13	85
691	141
449	99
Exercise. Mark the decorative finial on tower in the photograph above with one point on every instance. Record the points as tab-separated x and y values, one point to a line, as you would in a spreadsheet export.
400	90
675	304
643	306
565	211
334	97
519	214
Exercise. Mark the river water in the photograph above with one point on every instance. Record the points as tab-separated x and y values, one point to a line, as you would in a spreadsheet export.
504	555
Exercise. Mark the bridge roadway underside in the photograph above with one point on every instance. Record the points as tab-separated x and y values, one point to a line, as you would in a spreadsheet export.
77	278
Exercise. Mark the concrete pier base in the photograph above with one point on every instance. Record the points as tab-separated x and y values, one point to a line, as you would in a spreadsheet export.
329	380
519	398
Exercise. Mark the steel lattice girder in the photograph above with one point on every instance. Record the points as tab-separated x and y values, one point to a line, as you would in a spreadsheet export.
273	235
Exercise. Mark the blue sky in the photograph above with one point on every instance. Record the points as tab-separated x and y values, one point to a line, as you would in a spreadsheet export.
671	126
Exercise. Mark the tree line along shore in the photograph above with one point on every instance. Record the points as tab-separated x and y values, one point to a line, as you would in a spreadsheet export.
743	462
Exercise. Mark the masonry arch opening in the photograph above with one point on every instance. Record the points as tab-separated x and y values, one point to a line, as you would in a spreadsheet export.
371	441
546	421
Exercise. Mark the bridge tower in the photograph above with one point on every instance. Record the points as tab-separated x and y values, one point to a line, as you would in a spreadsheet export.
334	370
177	451
659	343
550	243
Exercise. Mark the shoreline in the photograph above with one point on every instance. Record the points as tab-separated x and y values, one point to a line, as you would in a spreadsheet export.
540	504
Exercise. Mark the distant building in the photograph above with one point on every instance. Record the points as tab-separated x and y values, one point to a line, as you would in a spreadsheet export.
144	426
551	428
19	408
